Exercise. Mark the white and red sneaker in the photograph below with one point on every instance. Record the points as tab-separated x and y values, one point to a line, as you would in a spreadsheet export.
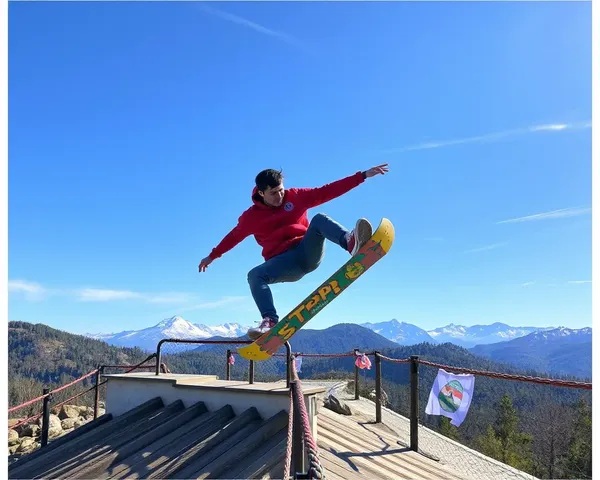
359	236
265	325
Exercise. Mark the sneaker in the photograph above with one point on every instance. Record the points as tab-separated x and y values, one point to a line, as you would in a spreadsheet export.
266	325
362	232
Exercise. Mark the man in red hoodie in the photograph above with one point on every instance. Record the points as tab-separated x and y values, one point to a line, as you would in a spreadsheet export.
291	246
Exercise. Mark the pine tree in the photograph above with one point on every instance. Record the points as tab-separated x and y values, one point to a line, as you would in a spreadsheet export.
504	441
579	458
447	429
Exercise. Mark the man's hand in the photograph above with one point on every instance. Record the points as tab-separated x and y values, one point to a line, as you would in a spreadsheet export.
379	170
204	263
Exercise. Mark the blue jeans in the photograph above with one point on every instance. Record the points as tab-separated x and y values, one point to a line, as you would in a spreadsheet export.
292	265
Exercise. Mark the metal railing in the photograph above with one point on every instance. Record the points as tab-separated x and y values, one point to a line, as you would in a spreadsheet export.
228	355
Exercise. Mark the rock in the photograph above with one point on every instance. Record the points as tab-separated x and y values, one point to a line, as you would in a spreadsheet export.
79	422
68	423
13	437
336	405
69	411
384	397
12	449
101	405
31	430
54	426
350	387
101	411
27	443
13	421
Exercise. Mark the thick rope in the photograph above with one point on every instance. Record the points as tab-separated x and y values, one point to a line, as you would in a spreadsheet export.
41	397
288	453
315	469
506	376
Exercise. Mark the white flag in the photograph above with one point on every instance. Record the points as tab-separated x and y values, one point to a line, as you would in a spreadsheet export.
451	396
298	364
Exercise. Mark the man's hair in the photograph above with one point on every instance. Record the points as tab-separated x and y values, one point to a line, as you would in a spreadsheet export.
268	178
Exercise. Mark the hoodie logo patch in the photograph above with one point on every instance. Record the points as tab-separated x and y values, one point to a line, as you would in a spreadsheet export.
289	206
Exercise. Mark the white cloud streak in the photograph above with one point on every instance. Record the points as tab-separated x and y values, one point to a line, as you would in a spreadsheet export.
579	282
35	291
485	248
31	290
490	137
230	17
561	213
215	303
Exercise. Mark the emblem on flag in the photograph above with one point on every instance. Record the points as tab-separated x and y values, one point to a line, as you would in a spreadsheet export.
451	396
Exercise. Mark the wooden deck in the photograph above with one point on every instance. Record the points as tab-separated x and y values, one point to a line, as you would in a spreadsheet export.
351	447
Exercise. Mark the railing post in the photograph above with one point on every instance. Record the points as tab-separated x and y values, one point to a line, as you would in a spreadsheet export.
288	362
251	372
298	454
377	388
97	393
228	367
45	418
355	376
158	357
414	403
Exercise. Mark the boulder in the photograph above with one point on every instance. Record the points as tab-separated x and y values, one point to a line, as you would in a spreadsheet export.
336	405
13	437
69	411
68	423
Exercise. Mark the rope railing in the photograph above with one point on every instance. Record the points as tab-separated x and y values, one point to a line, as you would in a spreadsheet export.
59	389
506	376
315	469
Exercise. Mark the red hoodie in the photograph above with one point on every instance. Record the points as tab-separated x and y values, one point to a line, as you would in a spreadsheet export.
277	229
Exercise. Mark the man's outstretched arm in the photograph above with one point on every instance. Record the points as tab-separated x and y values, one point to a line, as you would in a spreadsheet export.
235	236
320	195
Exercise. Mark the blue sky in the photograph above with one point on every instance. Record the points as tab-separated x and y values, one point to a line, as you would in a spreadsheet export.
136	131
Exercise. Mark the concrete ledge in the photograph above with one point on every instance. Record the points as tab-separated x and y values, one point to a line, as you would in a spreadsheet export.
128	390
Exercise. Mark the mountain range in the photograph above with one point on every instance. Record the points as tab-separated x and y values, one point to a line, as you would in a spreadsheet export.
174	327
401	333
560	351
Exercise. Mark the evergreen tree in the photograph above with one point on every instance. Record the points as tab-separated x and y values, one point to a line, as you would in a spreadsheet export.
447	429
504	441
579	457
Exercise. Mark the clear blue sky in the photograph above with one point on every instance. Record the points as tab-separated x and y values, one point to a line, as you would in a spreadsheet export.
136	130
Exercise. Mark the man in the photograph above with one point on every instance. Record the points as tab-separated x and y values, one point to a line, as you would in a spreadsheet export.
291	246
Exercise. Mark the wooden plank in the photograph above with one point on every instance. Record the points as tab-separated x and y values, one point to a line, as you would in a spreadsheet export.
340	464
398	458
336	422
363	463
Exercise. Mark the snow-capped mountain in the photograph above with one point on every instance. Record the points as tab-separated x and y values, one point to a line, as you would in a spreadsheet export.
174	327
561	351
481	334
400	332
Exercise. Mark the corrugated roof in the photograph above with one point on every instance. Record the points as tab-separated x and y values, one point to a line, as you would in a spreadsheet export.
158	441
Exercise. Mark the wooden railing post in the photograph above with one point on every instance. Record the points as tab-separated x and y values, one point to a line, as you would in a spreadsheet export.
97	393
414	403
356	376
377	388
228	367
45	417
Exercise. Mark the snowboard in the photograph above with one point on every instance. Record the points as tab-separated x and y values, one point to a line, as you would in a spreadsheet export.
370	253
